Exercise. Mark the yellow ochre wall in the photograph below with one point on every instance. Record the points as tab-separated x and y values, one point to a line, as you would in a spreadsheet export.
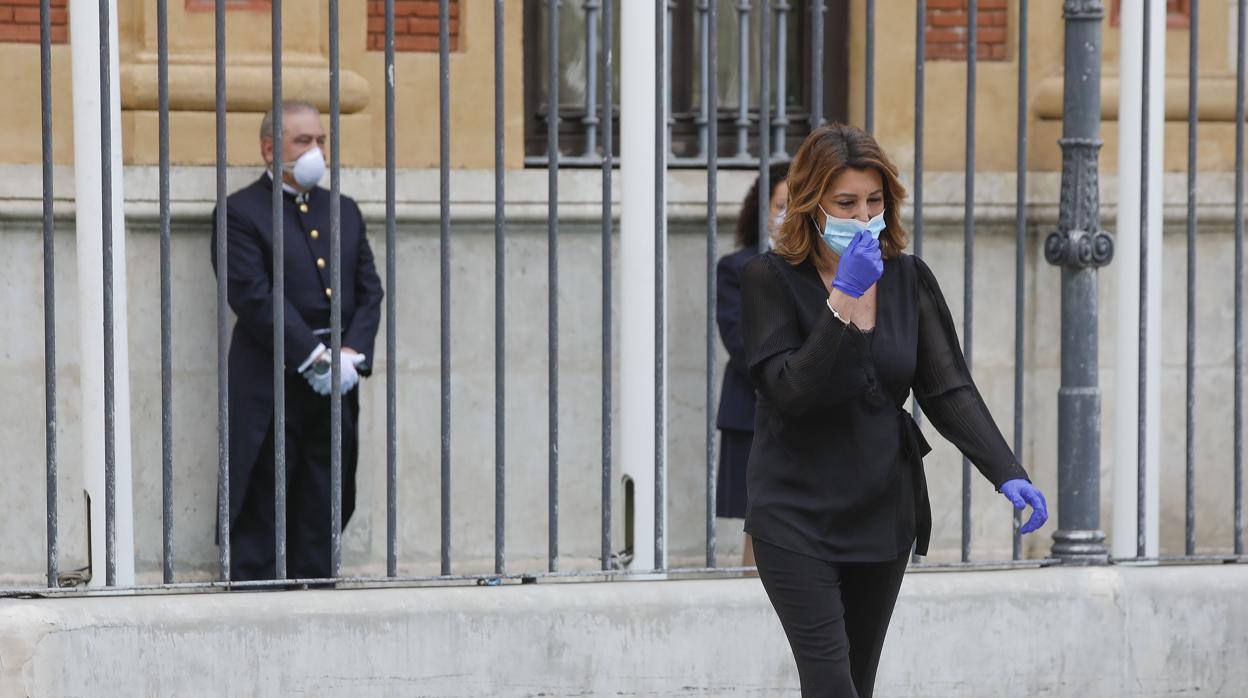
305	43
996	92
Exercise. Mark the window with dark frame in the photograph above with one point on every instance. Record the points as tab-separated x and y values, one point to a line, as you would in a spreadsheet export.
686	81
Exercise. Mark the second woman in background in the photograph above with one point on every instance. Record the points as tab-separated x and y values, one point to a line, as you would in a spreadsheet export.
735	419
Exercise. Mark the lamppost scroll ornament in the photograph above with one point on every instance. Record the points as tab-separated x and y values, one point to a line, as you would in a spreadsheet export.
1081	9
1078	249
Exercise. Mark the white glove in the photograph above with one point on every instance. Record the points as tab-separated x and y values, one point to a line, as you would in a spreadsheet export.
350	377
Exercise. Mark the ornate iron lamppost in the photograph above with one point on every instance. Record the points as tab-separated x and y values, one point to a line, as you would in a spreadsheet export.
1080	248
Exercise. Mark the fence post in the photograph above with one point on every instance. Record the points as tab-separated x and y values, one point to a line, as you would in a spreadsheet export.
1080	247
638	157
90	160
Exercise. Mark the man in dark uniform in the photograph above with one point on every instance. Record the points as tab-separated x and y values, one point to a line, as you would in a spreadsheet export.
249	227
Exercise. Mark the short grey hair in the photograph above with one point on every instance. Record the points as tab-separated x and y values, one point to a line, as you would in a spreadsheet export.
289	106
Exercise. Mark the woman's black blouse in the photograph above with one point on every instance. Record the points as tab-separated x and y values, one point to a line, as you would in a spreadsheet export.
836	470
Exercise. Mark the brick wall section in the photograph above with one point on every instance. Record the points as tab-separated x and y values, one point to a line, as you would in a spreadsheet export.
945	30
19	21
415	25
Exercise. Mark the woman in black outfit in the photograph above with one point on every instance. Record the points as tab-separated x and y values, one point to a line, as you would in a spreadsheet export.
840	326
735	418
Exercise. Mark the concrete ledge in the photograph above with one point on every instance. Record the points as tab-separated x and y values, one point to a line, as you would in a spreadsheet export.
1105	632
193	191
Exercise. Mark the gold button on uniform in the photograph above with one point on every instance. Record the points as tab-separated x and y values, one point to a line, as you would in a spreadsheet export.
315	234
329	293
303	208
320	263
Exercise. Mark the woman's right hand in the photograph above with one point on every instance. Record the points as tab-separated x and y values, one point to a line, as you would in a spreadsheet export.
860	267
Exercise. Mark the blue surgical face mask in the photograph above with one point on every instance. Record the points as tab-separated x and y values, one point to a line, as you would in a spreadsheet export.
838	232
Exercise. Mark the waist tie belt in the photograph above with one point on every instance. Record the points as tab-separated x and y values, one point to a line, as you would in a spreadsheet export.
914	447
912	441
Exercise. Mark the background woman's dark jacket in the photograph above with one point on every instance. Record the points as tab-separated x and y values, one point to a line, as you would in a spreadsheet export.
736	399
735	418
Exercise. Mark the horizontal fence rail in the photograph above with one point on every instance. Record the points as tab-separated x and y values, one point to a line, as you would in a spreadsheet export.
752	128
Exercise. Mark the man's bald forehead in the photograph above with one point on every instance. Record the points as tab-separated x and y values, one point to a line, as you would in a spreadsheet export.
289	108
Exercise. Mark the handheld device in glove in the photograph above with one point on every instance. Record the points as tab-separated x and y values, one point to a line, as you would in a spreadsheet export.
318	374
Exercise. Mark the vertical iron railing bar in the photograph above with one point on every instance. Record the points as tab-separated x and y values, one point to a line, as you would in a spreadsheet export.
106	227
743	80
662	148
552	283
608	98
590	122
764	119
166	295
711	60
869	93
444	272
1240	37
1189	420
920	63
816	63
1142	338
781	122
968	241
708	104
1020	258
335	297
223	267
49	295
667	97
500	306
392	446
278	212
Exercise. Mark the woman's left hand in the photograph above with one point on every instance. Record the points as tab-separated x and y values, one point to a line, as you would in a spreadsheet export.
1020	492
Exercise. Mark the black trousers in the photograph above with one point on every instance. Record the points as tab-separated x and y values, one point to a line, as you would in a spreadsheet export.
253	533
834	614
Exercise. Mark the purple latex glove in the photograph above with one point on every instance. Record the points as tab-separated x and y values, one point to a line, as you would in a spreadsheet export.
861	265
1020	492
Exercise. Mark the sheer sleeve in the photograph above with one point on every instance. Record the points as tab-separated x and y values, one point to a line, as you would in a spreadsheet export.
794	373
946	392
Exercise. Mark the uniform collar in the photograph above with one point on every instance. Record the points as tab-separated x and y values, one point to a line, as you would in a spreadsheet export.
300	196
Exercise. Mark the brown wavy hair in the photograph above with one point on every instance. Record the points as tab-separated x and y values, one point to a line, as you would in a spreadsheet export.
747	220
827	152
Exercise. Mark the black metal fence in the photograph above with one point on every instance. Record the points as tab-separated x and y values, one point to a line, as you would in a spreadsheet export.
768	127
